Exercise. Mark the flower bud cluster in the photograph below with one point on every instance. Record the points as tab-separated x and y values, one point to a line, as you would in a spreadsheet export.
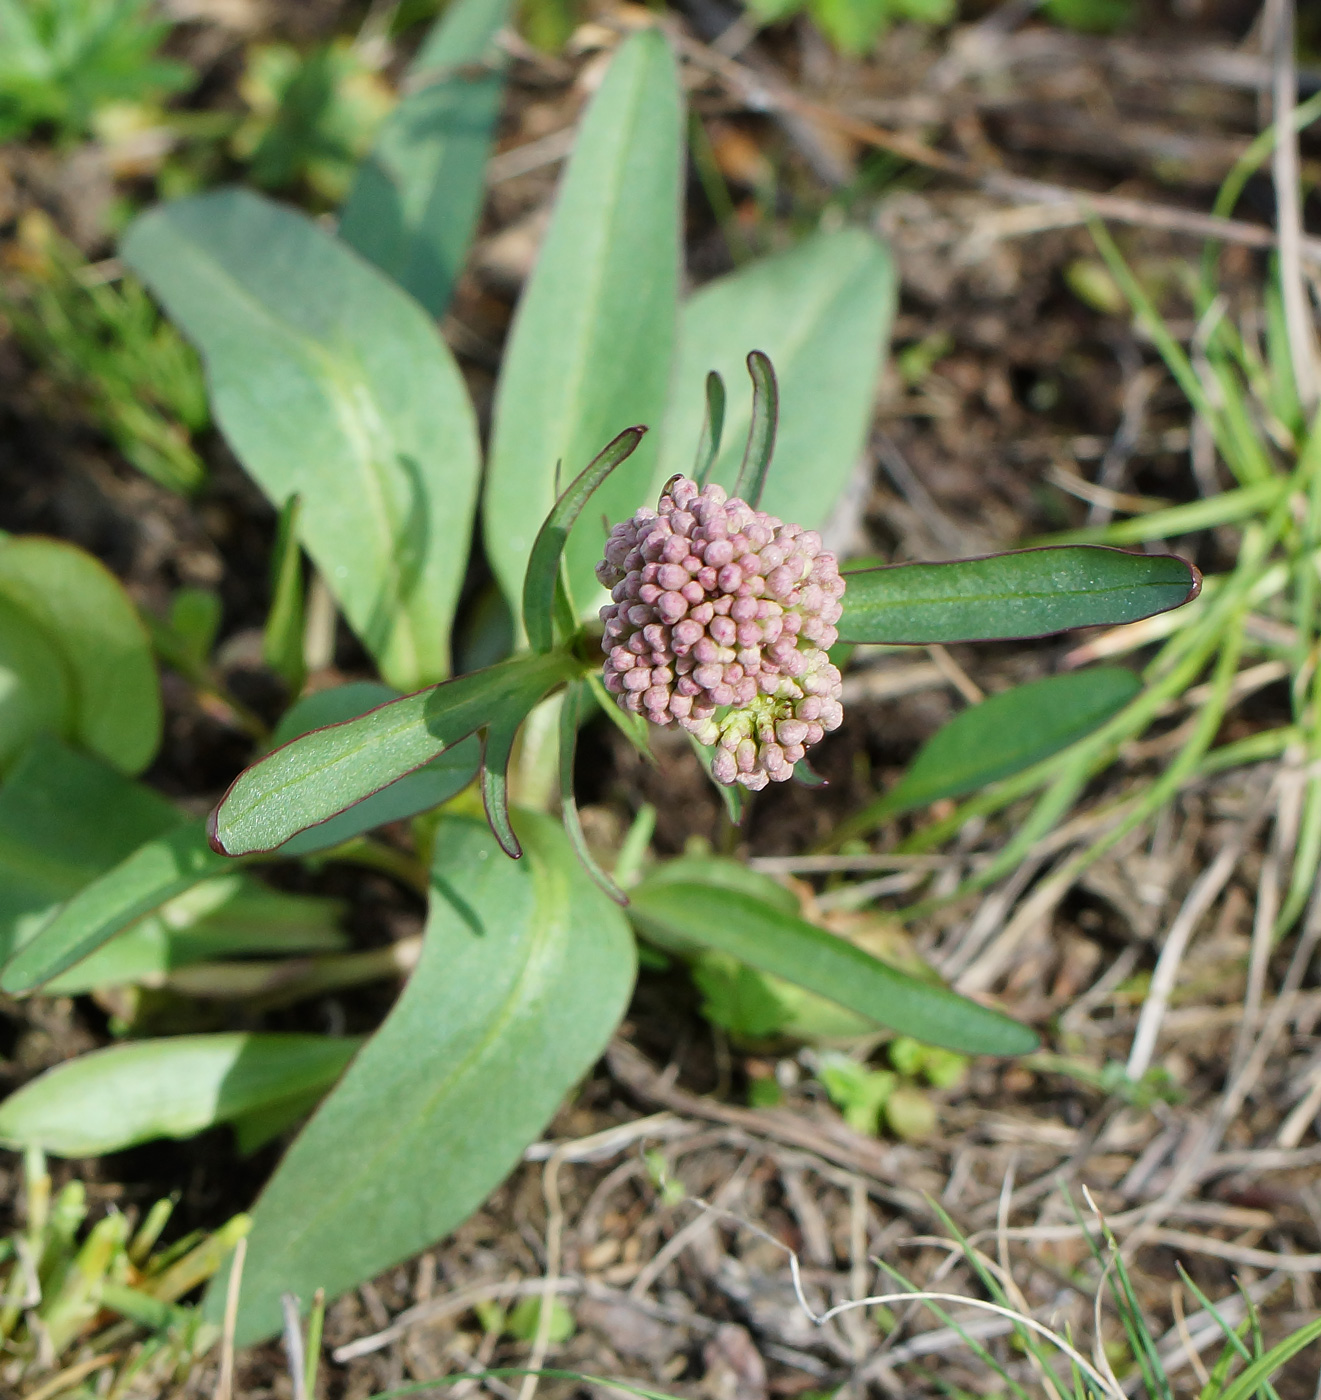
720	621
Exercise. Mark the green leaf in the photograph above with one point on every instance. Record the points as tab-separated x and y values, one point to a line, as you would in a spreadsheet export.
66	818
282	637
165	866
34	685
1262	1368
761	431
822	313
1007	733
175	1087
331	384
726	874
327	771
223	917
1030	593
525	972
590	349
68	823
84	613
713	429
419	791
773	941
415	201
543	565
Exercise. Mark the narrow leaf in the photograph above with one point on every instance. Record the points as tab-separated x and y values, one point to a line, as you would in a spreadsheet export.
590	348
156	871
175	1087
543	565
415	200
83	612
65	818
329	770
1003	735
713	428
495	785
332	384
761	431
822	313
419	791
1031	593
767	938
226	916
525	972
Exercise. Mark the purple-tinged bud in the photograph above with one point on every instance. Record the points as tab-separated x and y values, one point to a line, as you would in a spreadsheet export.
720	620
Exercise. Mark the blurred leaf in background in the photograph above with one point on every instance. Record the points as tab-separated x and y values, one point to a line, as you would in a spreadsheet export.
62	61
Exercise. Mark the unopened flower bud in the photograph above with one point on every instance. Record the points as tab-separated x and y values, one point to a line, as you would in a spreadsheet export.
721	619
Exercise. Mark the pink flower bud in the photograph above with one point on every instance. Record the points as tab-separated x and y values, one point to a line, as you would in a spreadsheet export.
720	619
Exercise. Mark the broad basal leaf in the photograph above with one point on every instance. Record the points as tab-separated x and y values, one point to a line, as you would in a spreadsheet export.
176	1087
589	354
1007	733
822	312
527	968
416	198
83	612
325	772
1030	593
333	385
700	915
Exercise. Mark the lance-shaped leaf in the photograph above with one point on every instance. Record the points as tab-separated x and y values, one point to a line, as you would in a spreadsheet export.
543	565
332	384
419	791
822	313
526	970
155	872
175	1087
327	771
416	197
715	916
1003	735
590	348
1030	593
66	818
83	613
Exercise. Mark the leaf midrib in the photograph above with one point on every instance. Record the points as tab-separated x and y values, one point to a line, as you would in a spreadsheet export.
321	359
532	969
